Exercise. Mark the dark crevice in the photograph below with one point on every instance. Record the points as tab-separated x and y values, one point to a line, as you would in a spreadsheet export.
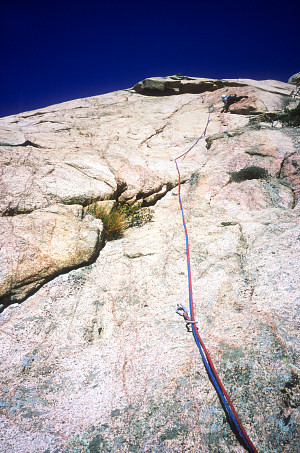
8	300
159	196
64	129
295	199
158	193
16	211
158	93
279	175
229	134
85	173
170	86
158	131
254	152
13	212
284	180
26	143
47	121
169	186
143	195
233	83
37	114
121	187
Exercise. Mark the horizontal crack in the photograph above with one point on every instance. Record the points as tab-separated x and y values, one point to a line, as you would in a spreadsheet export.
26	143
158	131
211	138
87	174
137	255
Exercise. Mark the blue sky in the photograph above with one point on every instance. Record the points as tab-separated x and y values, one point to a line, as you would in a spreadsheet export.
53	51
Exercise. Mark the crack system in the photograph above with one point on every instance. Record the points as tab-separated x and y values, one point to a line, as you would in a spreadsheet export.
158	194
36	284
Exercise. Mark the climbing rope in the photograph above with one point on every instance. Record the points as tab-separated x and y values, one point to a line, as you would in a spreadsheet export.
191	324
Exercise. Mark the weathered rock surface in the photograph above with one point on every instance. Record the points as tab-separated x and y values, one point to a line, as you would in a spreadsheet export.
97	359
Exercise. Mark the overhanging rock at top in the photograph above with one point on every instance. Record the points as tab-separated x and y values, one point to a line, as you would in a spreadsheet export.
164	86
172	85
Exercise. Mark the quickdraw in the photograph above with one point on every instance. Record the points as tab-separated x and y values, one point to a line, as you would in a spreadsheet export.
192	327
183	312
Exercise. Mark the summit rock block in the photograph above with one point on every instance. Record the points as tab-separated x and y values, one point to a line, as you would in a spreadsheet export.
93	355
295	79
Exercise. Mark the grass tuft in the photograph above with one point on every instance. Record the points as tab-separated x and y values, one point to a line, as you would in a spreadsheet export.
118	218
114	220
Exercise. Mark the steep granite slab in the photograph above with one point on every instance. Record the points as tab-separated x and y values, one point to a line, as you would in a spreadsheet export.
97	359
113	364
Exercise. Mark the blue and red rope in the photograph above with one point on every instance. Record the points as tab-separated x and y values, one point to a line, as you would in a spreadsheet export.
212	373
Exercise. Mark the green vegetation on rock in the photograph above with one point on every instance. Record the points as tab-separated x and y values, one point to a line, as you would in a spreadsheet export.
118	218
252	172
291	117
114	220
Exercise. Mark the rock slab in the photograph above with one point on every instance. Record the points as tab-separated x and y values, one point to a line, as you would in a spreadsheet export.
96	359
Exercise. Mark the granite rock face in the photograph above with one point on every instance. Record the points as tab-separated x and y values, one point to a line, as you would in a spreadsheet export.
96	359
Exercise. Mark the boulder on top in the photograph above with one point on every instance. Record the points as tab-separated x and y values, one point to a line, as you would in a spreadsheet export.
164	86
295	79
